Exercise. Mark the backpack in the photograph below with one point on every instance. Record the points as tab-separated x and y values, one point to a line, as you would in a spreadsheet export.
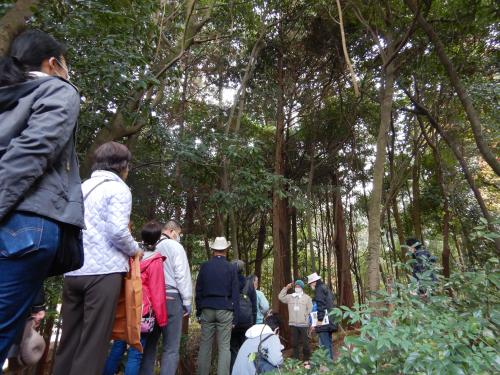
245	317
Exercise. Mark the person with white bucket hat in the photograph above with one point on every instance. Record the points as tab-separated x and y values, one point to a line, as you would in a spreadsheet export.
217	306
325	303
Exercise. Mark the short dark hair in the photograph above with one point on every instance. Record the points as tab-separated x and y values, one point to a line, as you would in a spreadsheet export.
273	321
173	224
27	52
151	233
412	241
111	156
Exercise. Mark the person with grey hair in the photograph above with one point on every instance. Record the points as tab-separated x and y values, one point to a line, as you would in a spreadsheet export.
178	286
90	294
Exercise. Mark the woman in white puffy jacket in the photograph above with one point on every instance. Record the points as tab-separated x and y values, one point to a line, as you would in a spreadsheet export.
91	293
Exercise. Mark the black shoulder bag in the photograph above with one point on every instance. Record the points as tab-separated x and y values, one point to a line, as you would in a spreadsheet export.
69	255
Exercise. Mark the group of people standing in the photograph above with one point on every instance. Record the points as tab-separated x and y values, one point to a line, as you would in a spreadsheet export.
42	202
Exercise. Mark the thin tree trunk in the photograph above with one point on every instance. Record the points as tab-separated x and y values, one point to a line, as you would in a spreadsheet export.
461	160
355	260
261	240
445	256
310	239
392	242
373	262
295	255
464	97
417	222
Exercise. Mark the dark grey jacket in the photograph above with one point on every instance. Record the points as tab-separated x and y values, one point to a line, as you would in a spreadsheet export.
39	170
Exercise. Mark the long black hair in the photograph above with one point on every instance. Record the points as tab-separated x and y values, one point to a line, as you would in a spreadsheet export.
27	52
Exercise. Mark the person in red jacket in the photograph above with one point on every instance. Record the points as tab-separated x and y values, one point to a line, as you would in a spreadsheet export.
154	309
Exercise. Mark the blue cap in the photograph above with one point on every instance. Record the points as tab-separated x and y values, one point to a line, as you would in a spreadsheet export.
299	283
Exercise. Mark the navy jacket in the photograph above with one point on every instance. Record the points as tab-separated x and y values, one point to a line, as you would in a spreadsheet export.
325	302
39	170
422	258
217	287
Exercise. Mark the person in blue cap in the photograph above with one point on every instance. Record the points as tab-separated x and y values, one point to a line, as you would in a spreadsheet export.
299	308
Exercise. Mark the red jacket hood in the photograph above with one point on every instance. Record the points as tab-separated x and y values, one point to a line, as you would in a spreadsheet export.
156	257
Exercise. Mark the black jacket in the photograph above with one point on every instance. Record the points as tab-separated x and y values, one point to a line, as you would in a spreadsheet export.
325	302
217	287
39	171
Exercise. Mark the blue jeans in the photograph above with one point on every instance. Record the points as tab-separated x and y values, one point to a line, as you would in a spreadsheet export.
28	244
134	358
325	341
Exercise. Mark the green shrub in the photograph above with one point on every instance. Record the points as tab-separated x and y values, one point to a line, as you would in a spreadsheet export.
453	330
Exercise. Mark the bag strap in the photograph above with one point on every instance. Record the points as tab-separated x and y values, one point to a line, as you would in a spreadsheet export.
95	186
246	287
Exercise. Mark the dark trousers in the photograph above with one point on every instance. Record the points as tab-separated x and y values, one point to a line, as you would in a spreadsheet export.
88	313
325	340
300	339
237	339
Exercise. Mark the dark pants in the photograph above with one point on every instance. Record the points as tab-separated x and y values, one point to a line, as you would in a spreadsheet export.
237	339
300	339
28	244
325	340
171	333
88	313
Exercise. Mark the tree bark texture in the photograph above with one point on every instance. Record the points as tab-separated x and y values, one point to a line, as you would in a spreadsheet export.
344	282
14	21
373	265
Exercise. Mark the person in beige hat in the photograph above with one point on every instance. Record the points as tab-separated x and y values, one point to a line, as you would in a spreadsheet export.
217	307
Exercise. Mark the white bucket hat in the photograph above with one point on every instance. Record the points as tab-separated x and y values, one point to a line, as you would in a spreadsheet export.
220	243
313	277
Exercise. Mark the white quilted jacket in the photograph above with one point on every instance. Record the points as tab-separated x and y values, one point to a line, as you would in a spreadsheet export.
107	241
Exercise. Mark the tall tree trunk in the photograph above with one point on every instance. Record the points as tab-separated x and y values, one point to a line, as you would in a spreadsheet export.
355	261
417	222
464	97
309	213
392	242
346	296
373	262
281	275
394	202
261	241
295	255
14	21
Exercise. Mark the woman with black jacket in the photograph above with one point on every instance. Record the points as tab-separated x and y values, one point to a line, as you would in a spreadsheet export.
40	187
325	303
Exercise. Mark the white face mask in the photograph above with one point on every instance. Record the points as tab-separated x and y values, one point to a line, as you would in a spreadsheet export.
298	290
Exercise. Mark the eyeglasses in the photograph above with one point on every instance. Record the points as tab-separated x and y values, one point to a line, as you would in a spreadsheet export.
65	67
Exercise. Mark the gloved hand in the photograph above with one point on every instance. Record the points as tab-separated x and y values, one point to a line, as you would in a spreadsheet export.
187	310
